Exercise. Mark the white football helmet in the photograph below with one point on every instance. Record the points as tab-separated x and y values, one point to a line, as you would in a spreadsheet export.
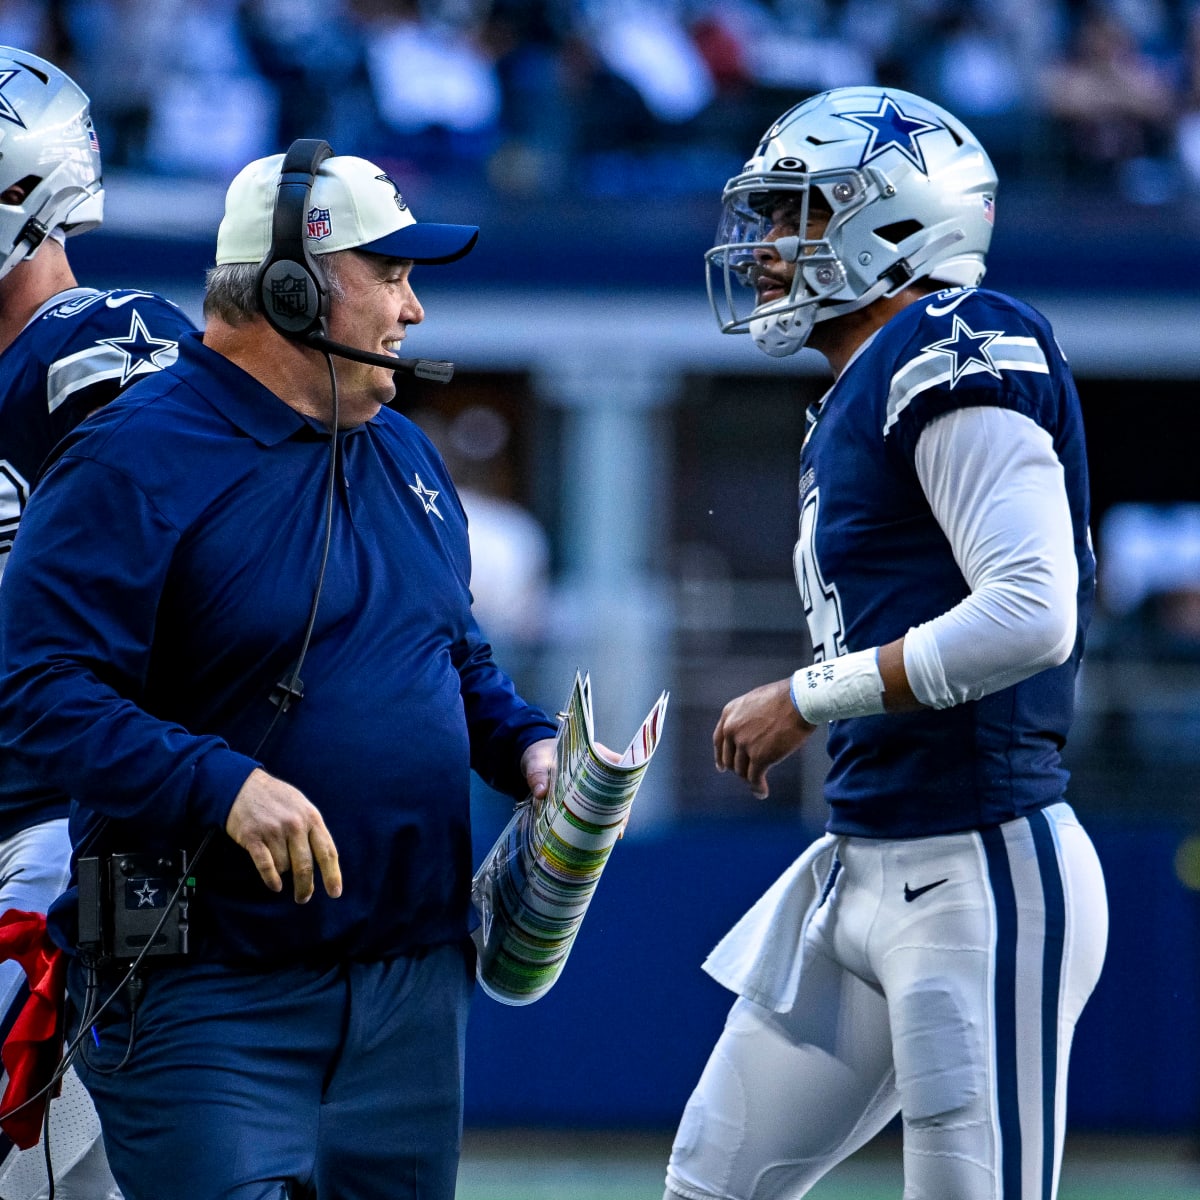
48	146
911	190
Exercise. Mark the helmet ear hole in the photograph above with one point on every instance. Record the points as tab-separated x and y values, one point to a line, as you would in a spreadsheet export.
897	231
16	193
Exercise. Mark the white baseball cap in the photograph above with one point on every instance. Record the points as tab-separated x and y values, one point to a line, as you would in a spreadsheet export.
354	205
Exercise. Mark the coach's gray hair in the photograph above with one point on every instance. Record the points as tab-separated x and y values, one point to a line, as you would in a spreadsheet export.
231	289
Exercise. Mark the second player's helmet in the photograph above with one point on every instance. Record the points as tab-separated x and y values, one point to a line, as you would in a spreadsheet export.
911	192
49	152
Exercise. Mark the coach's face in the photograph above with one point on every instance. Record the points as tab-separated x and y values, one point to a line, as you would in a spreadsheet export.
373	312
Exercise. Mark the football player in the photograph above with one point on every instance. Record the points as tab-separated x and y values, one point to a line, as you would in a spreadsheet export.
64	351
931	953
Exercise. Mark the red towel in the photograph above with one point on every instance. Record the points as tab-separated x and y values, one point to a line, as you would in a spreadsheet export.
34	1046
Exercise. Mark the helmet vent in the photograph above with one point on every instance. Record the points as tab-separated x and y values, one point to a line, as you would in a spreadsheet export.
34	71
895	233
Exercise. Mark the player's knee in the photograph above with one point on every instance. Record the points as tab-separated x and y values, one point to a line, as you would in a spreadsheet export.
939	1053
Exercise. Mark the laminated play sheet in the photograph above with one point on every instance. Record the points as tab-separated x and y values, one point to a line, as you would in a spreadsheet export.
534	885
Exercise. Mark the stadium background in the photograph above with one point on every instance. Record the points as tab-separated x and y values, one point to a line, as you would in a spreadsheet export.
640	468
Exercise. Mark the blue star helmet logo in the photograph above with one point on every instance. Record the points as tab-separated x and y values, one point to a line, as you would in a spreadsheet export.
892	129
6	109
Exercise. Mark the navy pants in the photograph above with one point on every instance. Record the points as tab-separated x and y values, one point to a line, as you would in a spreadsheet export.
341	1083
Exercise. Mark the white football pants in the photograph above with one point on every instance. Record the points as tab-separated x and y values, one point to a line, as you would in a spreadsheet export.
34	869
949	974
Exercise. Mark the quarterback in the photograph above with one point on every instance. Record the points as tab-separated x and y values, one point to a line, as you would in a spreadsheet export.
930	955
65	350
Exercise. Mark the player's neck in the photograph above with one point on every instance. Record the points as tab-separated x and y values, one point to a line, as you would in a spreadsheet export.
839	339
29	285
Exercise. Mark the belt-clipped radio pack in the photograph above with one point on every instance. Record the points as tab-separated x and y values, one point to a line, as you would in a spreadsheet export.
123	898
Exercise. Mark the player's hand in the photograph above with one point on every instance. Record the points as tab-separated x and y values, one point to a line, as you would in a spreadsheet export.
281	831
756	731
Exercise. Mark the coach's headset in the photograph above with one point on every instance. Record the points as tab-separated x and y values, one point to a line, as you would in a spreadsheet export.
290	283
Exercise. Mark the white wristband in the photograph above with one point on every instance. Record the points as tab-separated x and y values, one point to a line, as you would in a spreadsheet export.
847	686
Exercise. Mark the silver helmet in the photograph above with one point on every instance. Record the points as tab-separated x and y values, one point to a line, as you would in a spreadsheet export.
912	196
48	149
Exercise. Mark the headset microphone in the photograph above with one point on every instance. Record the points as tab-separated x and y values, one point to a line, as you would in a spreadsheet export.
422	368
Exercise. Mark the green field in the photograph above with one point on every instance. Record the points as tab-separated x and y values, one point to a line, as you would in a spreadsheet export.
570	1166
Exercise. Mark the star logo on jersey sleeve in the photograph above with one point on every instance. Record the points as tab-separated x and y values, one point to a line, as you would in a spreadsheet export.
892	129
967	349
427	496
140	349
6	108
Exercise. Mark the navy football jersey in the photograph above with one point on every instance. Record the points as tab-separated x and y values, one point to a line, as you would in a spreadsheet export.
77	353
872	562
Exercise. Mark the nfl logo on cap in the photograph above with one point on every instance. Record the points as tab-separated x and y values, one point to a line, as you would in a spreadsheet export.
319	225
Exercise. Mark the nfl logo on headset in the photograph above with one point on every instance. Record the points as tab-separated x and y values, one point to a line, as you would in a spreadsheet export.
289	295
318	224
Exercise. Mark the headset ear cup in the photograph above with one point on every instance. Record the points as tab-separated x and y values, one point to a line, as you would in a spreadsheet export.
290	297
291	292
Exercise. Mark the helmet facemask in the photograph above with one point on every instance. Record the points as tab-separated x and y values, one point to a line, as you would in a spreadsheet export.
763	223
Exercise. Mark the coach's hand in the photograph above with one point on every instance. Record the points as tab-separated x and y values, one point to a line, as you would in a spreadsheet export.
758	730
281	831
537	765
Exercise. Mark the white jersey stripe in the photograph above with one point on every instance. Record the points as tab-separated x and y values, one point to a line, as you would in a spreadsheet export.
87	367
932	369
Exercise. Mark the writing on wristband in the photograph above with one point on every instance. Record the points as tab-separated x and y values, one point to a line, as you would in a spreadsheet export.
849	686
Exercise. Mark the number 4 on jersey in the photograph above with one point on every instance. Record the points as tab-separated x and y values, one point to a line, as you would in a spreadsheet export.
822	605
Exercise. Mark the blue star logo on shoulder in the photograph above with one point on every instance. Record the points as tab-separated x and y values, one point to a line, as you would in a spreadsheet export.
892	129
967	348
7	112
140	350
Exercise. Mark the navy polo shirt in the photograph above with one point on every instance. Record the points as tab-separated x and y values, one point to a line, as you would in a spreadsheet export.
159	588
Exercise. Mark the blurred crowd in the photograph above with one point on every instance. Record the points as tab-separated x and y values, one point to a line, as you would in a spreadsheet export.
622	97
